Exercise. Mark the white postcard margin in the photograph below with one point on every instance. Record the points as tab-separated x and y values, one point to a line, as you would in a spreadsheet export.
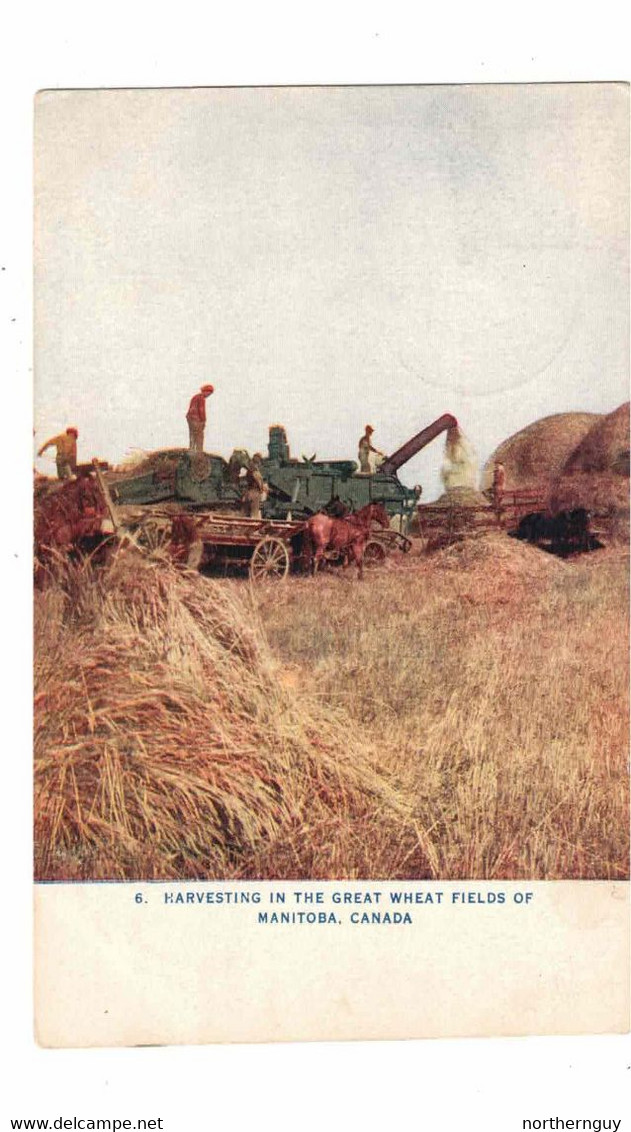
125	964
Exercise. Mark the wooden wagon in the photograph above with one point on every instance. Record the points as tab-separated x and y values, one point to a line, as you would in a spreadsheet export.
267	548
445	522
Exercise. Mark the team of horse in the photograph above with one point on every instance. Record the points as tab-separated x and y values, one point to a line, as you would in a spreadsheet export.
344	537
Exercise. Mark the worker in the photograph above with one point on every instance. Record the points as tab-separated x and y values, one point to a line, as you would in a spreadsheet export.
66	455
365	448
499	482
196	418
255	490
237	463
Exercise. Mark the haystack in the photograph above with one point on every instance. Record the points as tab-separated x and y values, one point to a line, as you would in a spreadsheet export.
165	746
534	457
596	474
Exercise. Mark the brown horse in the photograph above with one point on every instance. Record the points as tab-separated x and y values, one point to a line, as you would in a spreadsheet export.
347	537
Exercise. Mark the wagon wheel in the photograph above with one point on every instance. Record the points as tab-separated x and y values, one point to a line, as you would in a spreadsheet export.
153	536
374	553
270	560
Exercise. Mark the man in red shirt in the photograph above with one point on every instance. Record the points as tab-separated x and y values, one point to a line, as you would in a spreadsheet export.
196	418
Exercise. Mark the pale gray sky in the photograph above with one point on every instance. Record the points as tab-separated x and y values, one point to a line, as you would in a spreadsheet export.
329	257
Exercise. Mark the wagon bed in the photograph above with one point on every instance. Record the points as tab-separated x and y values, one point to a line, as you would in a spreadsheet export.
269	548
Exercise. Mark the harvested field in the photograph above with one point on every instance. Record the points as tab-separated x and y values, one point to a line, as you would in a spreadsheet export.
457	715
494	679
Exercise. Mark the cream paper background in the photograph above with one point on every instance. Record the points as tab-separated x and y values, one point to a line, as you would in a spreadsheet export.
109	973
113	972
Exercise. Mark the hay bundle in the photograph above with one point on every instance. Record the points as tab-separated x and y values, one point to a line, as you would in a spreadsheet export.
163	462
164	744
596	474
534	457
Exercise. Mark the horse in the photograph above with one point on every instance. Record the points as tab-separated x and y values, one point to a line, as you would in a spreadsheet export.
348	536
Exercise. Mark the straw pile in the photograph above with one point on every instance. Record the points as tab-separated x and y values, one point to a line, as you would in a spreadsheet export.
597	471
498	559
165	745
461	497
494	571
141	463
596	475
534	457
605	447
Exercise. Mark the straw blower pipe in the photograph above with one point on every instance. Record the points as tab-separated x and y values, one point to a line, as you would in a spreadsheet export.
392	463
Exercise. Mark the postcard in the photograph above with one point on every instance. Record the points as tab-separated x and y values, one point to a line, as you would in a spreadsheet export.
331	587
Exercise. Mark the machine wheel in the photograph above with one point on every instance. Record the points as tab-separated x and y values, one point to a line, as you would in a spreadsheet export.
153	536
374	553
270	560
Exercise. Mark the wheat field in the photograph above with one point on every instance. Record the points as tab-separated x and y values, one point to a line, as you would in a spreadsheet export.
459	715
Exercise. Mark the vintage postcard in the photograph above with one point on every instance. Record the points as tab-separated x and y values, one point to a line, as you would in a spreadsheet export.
331	481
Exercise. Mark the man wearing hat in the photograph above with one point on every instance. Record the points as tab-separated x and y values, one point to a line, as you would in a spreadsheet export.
499	485
66	455
365	448
196	418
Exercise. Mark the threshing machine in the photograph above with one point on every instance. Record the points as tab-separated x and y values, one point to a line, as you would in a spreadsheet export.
296	487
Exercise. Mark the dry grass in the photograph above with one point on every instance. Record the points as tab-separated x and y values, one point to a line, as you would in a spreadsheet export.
165	747
494	679
459	715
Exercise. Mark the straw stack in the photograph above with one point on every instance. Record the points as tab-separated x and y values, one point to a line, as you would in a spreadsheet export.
534	457
596	474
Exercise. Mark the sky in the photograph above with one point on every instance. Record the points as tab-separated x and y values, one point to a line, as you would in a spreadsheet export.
328	257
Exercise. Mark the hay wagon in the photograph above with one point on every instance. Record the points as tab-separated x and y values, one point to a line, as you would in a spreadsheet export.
267	548
442	523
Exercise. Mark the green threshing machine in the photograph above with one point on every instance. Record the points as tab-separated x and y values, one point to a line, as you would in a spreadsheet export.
296	488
